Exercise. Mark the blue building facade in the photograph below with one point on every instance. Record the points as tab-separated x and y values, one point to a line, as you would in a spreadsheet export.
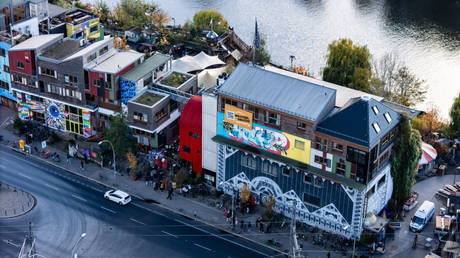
5	79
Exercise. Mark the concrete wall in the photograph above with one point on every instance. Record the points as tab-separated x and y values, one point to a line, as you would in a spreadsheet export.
209	130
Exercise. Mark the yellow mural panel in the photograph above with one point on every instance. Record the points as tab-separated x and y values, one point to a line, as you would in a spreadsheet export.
238	116
299	148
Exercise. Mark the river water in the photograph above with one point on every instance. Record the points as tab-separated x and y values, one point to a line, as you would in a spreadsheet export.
425	34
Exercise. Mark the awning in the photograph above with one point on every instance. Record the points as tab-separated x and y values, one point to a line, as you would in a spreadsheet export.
187	64
429	154
106	111
172	117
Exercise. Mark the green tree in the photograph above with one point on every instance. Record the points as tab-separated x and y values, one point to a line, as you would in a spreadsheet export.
120	136
101	8
129	13
262	57
407	89
454	125
348	65
202	20
407	152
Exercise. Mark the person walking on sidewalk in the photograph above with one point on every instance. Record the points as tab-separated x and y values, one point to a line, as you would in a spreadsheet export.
249	226
170	191
82	165
68	159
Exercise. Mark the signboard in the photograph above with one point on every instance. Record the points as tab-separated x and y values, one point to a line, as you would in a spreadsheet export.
237	116
43	144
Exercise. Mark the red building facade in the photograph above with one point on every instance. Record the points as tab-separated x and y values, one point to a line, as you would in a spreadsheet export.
190	133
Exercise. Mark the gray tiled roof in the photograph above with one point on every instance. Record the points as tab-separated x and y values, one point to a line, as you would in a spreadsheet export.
146	67
279	92
354	122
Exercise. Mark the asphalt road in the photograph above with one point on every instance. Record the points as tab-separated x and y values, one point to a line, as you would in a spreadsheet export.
68	205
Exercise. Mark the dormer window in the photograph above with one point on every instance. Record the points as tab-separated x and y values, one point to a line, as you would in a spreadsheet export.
376	127
387	117
375	109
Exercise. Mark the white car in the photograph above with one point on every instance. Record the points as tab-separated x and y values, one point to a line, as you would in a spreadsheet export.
117	196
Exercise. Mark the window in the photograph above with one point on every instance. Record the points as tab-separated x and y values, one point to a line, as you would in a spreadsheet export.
384	158
311	200
6	68
376	127
255	112
20	65
375	109
387	139
340	167
194	135
268	168
4	85
356	156
93	29
186	149
387	117
299	145
318	182
140	116
301	125
371	191
286	171
160	114
91	57
307	179
321	144
248	161
70	79
272	118
2	52
47	71
337	146
323	161
381	181
103	50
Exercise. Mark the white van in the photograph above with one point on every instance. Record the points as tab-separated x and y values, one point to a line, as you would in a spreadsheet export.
422	216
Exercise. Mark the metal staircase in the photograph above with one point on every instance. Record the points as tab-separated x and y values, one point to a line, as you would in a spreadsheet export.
220	164
357	221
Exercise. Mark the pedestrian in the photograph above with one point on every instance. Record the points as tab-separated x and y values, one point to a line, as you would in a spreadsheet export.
261	227
68	159
257	222
146	180
249	226
170	191
242	224
86	158
229	215
233	219
225	213
82	165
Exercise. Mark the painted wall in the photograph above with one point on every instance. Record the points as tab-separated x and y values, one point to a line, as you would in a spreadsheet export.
266	138
209	130
74	30
27	105
5	76
25	56
328	192
28	27
55	115
128	90
190	133
327	166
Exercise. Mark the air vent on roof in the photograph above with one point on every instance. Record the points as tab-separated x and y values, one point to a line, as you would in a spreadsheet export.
376	127
375	109
365	98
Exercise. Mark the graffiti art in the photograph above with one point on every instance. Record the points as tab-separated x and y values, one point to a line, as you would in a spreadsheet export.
54	116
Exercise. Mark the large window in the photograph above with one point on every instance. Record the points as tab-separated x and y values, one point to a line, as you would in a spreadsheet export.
93	29
74	120
48	72
160	114
286	171
301	125
103	50
2	52
321	144
140	116
20	65
299	145
4	85
307	178
91	57
70	79
268	168
337	146
323	161
356	156
248	161
311	200
272	118
255	112
340	167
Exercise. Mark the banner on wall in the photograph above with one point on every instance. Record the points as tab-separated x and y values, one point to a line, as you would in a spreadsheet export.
86	123
267	139
237	116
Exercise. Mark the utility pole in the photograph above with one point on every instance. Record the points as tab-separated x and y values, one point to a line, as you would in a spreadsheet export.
295	250
292	58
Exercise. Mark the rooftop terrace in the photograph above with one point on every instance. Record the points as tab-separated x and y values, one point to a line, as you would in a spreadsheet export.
175	79
79	16
62	49
148	98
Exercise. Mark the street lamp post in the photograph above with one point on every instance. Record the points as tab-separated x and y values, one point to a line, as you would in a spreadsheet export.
74	249
114	162
174	20
354	241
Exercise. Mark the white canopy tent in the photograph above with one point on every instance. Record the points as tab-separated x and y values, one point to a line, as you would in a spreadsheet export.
187	64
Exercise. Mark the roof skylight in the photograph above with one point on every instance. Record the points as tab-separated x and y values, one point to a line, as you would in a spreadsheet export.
376	127
375	109
387	117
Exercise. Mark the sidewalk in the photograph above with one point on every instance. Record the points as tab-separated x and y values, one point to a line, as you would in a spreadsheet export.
183	205
14	202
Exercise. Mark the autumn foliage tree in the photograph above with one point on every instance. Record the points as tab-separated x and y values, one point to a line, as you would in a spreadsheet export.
429	123
245	192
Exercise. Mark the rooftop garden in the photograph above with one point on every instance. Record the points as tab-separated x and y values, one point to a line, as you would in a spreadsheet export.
175	79
148	98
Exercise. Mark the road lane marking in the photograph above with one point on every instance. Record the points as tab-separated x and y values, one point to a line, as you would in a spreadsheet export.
169	234
78	197
137	221
52	187
21	174
223	238
205	248
109	210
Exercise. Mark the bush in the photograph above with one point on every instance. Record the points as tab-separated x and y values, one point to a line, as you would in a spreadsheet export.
267	215
197	179
18	124
54	138
181	178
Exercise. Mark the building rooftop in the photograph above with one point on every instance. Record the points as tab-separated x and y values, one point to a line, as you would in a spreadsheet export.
363	121
37	42
279	92
175	79
55	10
146	67
91	47
62	49
117	62
148	98
79	16
343	95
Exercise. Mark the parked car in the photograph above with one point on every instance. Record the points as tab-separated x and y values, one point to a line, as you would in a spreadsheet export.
118	196
422	216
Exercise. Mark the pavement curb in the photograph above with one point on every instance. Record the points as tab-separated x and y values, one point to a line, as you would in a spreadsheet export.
159	203
25	212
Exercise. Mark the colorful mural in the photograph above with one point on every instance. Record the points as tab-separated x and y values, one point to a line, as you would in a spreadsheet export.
55	115
127	89
26	105
83	30
268	139
86	123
